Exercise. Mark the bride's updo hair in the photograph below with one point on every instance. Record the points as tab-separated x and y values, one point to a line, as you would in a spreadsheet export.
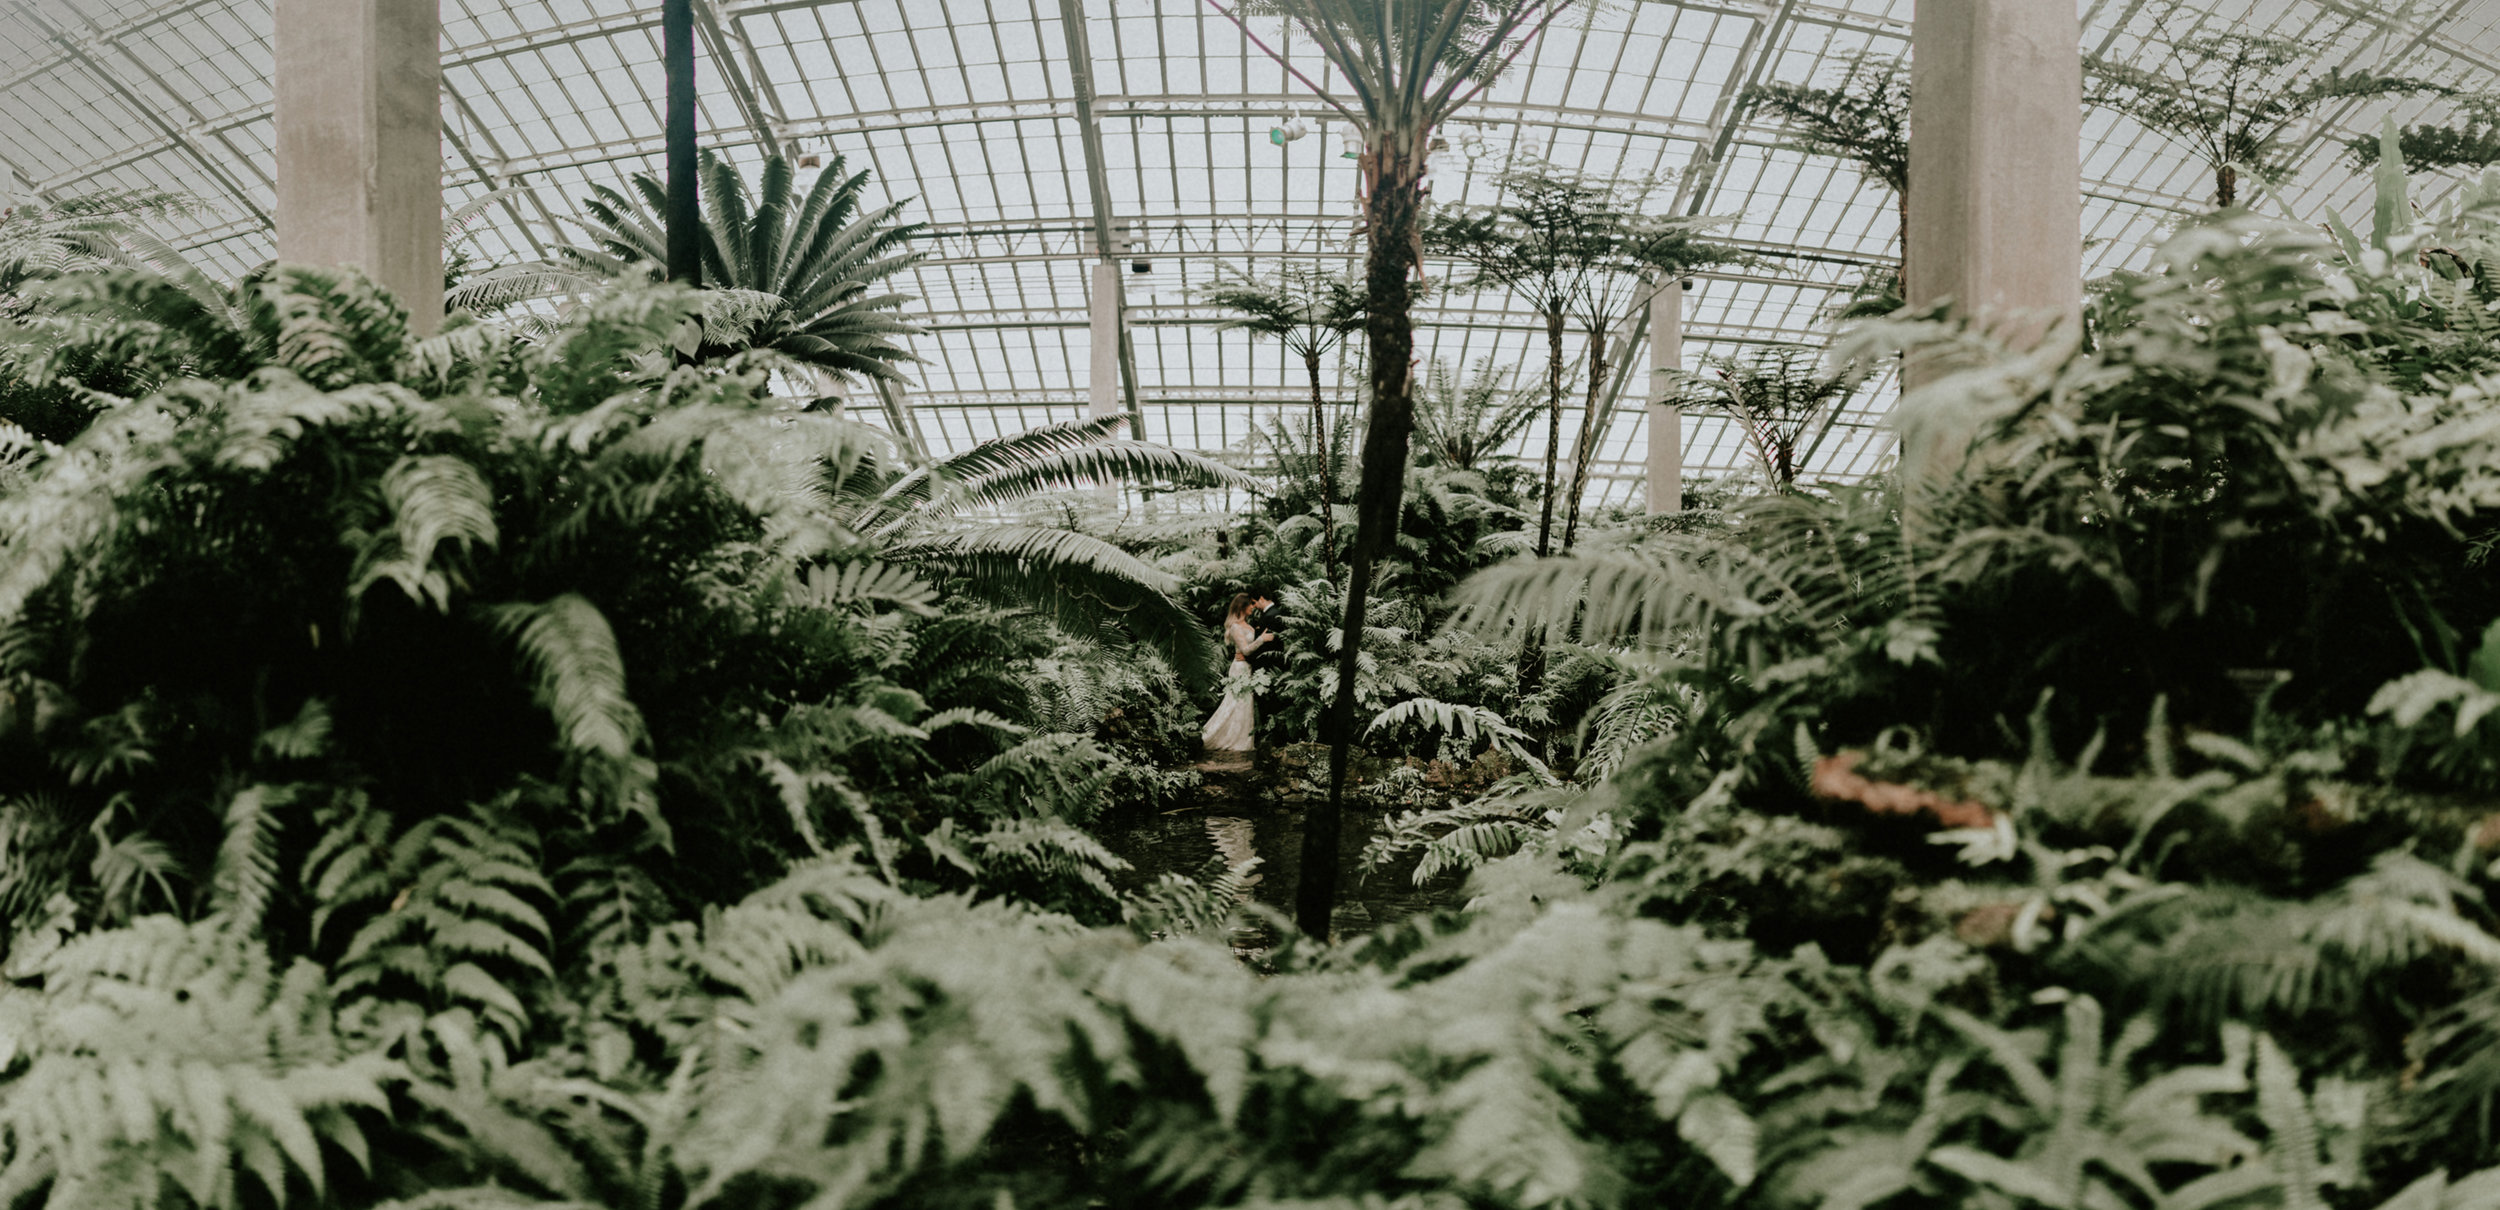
1240	607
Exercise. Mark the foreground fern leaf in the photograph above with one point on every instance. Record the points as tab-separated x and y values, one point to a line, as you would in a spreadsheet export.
173	1056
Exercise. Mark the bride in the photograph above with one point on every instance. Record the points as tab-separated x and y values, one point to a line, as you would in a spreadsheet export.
1229	730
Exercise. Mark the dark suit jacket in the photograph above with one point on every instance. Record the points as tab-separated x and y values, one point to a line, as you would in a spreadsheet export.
1272	655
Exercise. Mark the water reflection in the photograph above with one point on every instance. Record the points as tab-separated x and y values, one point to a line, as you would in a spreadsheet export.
1235	846
1205	841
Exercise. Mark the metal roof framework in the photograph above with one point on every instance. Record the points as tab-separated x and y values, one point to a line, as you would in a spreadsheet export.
1029	131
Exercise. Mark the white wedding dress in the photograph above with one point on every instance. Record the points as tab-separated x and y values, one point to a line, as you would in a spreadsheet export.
1230	728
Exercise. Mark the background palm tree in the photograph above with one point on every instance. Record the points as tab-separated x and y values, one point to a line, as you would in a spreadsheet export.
2230	98
1406	69
1311	310
1778	396
1624	257
1529	244
1461	424
1864	118
804	275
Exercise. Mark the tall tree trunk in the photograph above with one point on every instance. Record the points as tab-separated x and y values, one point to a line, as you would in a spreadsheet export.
1327	470
1532	646
1393	209
1585	450
1901	284
2226	186
684	222
1553	424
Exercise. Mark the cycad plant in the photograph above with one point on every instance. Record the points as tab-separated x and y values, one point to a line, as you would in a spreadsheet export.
1311	309
813	271
1406	69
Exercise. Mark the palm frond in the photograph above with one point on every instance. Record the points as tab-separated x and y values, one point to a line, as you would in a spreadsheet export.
509	285
999	455
1077	580
1141	462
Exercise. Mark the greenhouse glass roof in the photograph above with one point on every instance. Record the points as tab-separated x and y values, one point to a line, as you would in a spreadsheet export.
971	107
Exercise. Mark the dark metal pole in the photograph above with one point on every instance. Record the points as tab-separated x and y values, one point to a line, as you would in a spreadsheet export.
685	250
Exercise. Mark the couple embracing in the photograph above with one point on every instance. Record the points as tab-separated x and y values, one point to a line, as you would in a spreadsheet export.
1230	729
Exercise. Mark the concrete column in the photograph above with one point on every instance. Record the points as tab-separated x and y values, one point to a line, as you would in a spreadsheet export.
1665	477
834	395
1102	381
360	143
1996	185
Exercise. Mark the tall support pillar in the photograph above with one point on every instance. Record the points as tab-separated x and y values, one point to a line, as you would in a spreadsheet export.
359	125
1665	478
1102	381
1996	194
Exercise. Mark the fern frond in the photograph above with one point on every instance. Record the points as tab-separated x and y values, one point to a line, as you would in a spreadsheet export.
868	582
2218	952
580	680
247	862
1079	581
450	916
1108	462
174	1054
432	499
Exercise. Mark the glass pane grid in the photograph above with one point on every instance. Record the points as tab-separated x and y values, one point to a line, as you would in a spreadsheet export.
967	108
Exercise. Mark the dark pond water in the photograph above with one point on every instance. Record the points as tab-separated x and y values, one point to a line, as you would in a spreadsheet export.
1235	817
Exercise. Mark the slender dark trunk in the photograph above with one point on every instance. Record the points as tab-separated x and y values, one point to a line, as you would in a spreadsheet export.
1553	425
1327	470
2226	186
1392	209
1901	284
685	248
1586	449
1532	645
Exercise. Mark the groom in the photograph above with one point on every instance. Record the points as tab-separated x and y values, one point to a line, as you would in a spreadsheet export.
1266	616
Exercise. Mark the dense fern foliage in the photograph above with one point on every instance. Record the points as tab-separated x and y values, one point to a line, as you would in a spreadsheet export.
515	769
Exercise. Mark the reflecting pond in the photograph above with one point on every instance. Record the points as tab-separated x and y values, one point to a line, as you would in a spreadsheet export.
1235	817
